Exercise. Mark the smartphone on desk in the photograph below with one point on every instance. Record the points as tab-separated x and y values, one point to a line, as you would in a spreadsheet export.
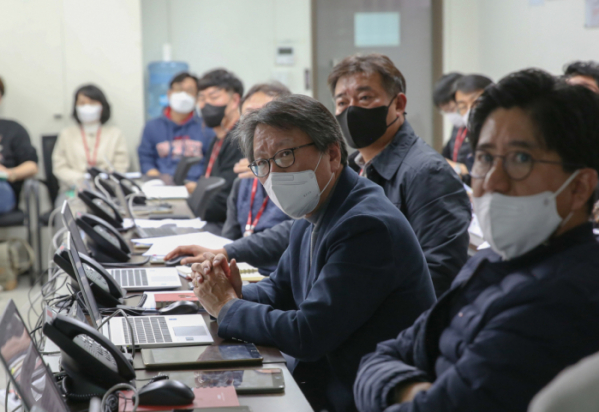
202	356
248	381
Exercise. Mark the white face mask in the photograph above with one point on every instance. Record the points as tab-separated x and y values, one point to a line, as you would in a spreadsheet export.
514	225
89	113
465	119
181	102
295	193
455	119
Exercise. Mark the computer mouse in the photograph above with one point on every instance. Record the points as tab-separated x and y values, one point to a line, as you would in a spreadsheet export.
165	392
176	261
183	307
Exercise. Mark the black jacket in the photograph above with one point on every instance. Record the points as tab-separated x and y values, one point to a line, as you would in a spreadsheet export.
502	332
421	184
223	167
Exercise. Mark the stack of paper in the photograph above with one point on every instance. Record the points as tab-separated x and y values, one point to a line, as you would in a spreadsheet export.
163	245
166	192
150	223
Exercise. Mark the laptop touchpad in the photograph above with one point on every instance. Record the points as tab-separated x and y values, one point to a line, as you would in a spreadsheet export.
189	330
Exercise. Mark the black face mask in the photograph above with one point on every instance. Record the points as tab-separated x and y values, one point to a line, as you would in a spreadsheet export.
362	127
213	115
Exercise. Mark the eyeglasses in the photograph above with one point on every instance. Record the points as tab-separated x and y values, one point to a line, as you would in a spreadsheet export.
517	165
283	158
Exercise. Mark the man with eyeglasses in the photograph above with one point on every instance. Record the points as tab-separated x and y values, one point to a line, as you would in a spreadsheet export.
524	309
340	287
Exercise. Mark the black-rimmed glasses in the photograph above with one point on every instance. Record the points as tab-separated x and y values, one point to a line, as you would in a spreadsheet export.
517	165
283	158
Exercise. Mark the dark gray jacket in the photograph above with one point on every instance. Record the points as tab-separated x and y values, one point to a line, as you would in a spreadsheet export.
421	184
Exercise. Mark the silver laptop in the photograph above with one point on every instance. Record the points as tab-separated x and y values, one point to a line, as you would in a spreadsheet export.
131	279
148	232
25	366
148	331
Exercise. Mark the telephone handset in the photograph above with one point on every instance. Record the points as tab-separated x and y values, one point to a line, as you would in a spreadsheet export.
105	289
110	245
96	171
128	185
89	359
102	207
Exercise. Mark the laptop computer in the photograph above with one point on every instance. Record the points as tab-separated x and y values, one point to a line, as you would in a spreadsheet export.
148	331
131	279
25	366
148	232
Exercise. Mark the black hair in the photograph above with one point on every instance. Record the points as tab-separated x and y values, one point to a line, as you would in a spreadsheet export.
590	69
471	83
93	92
2	90
273	89
392	79
566	116
182	76
222	79
444	91
293	112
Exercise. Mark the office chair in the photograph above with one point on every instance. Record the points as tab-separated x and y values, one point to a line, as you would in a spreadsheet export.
51	183
183	167
205	190
17	217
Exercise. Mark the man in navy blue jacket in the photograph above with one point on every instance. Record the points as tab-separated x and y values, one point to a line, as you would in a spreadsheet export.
175	134
341	286
526	308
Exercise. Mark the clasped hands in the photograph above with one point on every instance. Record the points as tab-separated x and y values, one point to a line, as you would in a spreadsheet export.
216	282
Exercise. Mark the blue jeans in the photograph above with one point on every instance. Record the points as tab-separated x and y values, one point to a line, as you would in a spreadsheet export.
7	197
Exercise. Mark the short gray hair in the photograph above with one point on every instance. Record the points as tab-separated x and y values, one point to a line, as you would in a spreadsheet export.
293	112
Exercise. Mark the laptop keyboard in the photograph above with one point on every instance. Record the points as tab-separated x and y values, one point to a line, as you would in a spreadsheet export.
96	350
130	277
151	329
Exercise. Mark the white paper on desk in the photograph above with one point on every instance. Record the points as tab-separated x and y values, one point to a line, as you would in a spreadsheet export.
151	223
166	192
163	245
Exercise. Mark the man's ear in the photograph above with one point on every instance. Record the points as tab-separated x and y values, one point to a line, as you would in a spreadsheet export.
401	101
236	98
586	183
335	156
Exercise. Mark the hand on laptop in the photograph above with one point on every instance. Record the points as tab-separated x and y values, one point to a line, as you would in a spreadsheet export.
195	250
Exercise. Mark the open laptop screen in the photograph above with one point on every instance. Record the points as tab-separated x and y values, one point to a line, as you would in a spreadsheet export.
29	374
88	296
69	222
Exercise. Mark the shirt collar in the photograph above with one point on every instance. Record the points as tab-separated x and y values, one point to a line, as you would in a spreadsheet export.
388	161
167	114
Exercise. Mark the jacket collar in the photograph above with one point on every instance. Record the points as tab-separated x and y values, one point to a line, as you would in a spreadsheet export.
167	114
343	186
388	161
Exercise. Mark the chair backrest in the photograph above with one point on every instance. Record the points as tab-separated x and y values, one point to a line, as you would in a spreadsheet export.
48	143
183	167
205	190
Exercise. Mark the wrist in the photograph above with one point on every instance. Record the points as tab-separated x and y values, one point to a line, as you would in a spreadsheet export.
12	176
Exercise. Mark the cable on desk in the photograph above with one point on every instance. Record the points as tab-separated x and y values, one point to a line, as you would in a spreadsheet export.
121	311
119	387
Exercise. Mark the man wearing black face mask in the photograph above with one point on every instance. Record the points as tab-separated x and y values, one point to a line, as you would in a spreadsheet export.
219	97
370	103
370	107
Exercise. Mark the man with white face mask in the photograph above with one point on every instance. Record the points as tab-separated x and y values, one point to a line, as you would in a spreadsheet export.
176	134
340	287
524	309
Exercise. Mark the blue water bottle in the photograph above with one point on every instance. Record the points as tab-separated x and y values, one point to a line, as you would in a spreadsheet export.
160	75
